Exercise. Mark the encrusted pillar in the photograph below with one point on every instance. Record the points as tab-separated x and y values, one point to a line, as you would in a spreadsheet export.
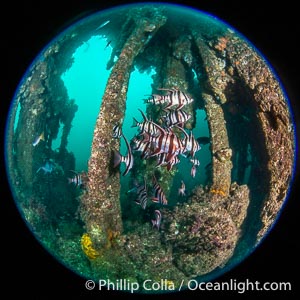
101	209
31	122
276	126
221	152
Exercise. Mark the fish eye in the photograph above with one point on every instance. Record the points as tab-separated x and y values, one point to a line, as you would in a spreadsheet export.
154	139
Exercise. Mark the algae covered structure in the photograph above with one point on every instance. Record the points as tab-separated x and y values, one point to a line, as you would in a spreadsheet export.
180	180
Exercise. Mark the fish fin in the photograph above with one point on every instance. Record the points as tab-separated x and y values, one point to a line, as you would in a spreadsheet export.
155	200
43	136
169	166
69	180
38	169
144	116
159	164
179	107
156	152
126	171
117	158
169	157
137	202
145	153
158	96
135	123
162	131
168	107
73	172
168	90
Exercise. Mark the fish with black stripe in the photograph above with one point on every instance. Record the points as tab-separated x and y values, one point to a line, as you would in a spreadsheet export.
195	162
190	143
159	196
128	159
117	131
176	117
146	125
141	146
165	142
174	97
142	197
79	180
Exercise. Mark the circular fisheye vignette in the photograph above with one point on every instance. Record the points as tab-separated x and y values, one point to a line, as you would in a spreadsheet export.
175	185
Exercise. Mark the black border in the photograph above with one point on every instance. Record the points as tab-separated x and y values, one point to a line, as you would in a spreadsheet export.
27	269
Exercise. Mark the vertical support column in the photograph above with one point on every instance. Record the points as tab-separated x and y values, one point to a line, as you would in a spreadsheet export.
101	209
221	160
217	82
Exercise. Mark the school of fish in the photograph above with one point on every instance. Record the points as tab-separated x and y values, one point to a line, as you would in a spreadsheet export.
165	140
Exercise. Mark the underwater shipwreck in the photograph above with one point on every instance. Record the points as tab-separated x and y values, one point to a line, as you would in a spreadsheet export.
93	225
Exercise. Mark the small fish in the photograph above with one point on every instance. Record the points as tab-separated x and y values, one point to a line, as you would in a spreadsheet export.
102	25
159	196
157	221
41	137
117	131
191	144
166	142
142	197
193	171
176	117
128	159
203	140
47	168
195	162
146	125
181	190
174	97
76	180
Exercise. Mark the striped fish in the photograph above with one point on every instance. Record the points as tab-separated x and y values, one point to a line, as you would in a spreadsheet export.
157	99
142	197
159	196
174	97
166	142
76	180
195	162
128	159
190	143
117	131
157	221
177	117
146	125
142	146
